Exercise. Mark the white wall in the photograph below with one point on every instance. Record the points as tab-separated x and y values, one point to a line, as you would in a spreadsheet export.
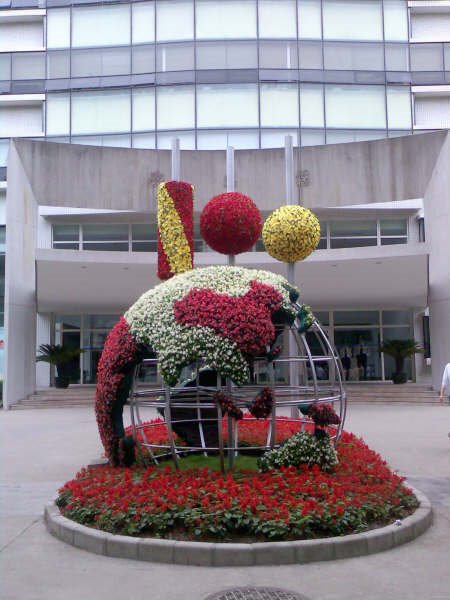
21	35
432	26
18	120
432	112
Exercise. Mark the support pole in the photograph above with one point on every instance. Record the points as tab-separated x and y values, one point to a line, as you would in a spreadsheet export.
176	161
230	188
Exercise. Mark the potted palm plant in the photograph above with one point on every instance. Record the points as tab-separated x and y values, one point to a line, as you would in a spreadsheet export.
400	350
60	356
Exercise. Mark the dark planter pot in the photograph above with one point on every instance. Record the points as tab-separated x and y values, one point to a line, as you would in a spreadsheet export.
61	382
399	378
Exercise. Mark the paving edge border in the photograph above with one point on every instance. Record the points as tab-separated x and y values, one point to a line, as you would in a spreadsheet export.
224	554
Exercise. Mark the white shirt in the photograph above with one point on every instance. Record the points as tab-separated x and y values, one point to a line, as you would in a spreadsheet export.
446	378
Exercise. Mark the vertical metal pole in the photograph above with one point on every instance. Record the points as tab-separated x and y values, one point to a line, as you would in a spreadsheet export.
289	182
176	161
230	188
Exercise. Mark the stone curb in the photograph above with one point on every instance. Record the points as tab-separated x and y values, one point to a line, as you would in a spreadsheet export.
227	555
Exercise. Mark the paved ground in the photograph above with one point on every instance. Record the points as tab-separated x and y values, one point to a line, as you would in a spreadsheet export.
43	448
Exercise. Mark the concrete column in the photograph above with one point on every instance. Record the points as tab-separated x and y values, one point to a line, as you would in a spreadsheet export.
43	336
20	284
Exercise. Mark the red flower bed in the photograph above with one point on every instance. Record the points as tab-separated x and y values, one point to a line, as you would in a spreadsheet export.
245	320
230	223
205	504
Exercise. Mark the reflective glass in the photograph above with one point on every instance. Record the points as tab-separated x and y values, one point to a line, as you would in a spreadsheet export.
397	57
105	111
28	65
58	64
275	138
5	67
219	140
58	28
309	19
174	20
399	107
353	242
175	57
116	141
347	106
101	62
143	59
352	20
68	321
353	228
277	18
100	232
447	57
187	140
311	105
225	19
144	140
279	104
227	105
100	321
396	317
395	20
65	233
175	107
226	55
143	231
143	109
356	317
143	22
58	114
310	55
101	25
278	55
339	136
426	57
350	56
393	227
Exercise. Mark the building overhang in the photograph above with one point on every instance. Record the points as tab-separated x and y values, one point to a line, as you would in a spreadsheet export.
387	276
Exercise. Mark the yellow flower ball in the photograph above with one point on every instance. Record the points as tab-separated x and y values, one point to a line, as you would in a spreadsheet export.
291	233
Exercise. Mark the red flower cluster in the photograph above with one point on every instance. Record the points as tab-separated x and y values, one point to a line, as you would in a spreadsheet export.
181	194
202	503
323	414
230	223
228	405
116	362
245	320
261	407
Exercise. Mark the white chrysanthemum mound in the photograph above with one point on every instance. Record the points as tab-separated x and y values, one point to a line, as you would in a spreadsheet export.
151	320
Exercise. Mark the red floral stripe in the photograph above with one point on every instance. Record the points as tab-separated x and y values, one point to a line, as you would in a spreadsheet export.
245	320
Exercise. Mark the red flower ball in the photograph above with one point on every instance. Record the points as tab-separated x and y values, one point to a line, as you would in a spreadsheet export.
230	223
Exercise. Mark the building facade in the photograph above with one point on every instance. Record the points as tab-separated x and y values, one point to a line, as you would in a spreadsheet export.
218	73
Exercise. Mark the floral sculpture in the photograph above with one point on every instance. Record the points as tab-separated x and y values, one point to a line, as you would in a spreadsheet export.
224	315
291	233
230	223
175	228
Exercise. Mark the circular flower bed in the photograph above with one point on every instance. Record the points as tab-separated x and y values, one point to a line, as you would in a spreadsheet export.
291	233
230	223
203	504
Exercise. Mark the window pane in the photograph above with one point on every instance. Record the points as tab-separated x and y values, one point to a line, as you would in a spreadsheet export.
274	138
353	228
143	231
219	140
227	105
68	321
58	28
225	19
346	106
310	55
105	61
399	107
144	140
58	64
176	107
106	246
356	317
58	114
277	19
100	321
396	317
426	57
187	140
65	233
309	19
311	106
28	65
348	56
278	55
175	20
143	22
105	232
393	226
395	20
352	20
353	242
100	25
5	67
397	57
143	59
144	246
335	136
226	55
143	109
175	57
279	105
66	246
101	112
